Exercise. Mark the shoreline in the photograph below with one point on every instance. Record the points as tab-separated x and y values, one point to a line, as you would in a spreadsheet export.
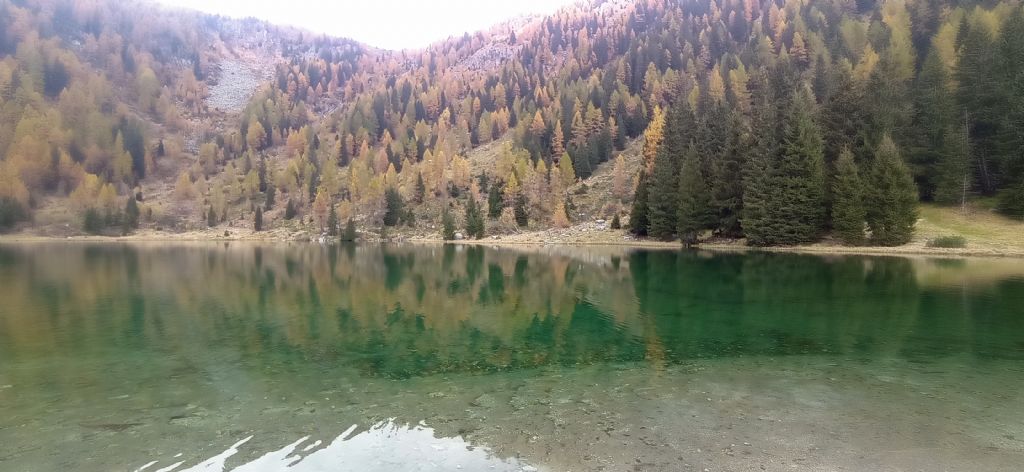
820	249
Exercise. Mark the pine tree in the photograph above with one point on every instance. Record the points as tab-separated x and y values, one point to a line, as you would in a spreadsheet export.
447	226
760	193
695	210
211	218
394	207
332	222
258	220
892	197
663	198
474	220
639	216
848	214
616	222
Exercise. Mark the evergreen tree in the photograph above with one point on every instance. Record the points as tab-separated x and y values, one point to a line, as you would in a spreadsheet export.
663	198
759	186
131	215
1011	201
695	210
494	201
933	119
892	197
211	218
92	222
11	212
848	214
979	100
394	206
447	225
727	184
332	222
522	217
269	204
474	220
616	222
952	171
421	189
349	234
289	210
799	216
258	220
639	222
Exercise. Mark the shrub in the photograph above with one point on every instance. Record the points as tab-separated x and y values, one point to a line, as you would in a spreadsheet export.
11	212
954	242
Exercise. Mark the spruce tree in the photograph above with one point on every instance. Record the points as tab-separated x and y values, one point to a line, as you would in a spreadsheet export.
639	222
474	219
759	186
131	215
522	216
349	234
663	198
727	182
421	189
211	218
799	216
616	222
258	220
695	210
952	171
289	210
495	203
848	212
394	207
447	226
269	204
1011	201
332	222
892	197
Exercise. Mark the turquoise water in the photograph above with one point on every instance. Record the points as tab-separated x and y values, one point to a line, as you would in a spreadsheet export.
230	356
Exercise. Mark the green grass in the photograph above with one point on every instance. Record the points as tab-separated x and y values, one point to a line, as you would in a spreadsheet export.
981	226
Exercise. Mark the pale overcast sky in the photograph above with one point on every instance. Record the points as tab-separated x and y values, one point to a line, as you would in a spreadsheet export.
391	24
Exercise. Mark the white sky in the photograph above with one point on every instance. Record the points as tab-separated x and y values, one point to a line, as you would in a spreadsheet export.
390	24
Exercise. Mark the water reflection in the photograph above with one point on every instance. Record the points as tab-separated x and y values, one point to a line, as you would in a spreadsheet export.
397	312
112	352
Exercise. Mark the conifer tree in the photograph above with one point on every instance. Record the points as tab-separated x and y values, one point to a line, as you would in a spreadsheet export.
349	234
421	189
258	220
332	222
952	171
892	197
663	199
289	210
639	216
522	216
269	204
394	207
211	218
695	210
474	219
848	214
799	216
131	215
447	225
495	202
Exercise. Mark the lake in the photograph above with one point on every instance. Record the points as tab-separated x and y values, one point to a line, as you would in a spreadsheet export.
248	357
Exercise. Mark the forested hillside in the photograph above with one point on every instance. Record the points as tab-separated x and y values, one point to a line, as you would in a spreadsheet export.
779	122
